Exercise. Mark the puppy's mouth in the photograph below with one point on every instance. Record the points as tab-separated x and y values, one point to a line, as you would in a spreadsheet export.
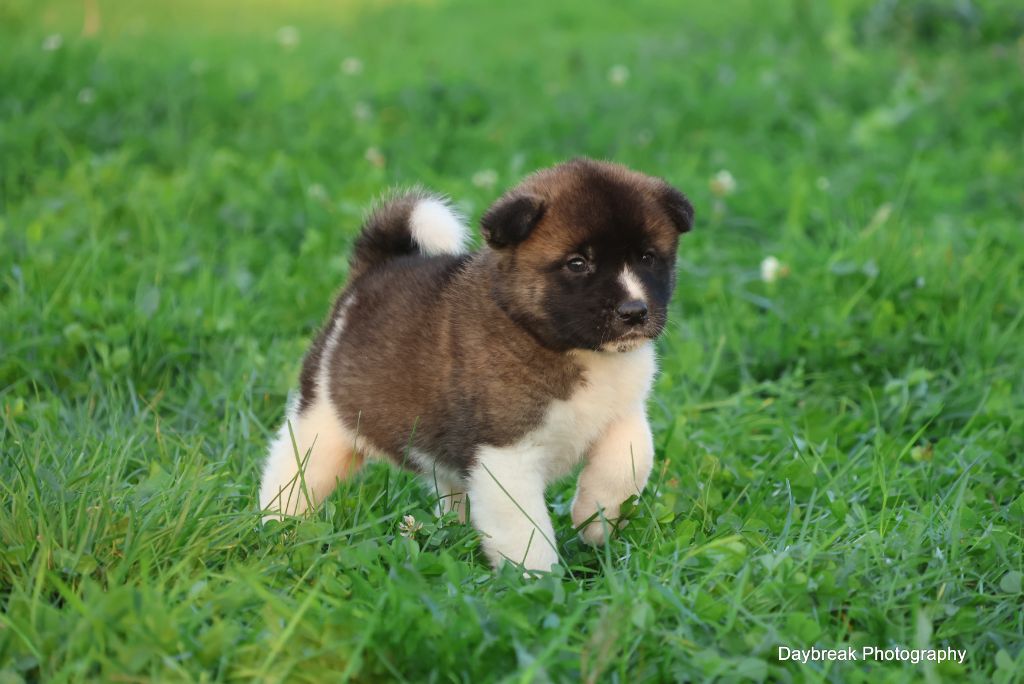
628	342
618	336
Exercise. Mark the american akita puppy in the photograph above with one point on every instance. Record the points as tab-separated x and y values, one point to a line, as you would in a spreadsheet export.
493	373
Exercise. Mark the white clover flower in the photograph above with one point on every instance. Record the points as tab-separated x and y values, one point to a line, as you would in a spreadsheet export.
375	157
362	111
771	269
53	42
86	96
409	527
486	178
352	66
618	75
288	37
722	184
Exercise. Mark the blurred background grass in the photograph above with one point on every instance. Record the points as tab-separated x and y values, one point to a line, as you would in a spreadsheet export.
179	185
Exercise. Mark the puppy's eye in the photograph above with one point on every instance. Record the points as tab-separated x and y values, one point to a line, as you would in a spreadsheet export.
648	258
576	264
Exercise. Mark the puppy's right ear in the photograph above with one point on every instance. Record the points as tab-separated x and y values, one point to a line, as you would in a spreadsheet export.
510	220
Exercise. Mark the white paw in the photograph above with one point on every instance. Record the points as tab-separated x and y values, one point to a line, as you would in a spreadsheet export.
603	525
538	556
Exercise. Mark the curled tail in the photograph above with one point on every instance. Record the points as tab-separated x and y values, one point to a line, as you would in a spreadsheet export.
413	222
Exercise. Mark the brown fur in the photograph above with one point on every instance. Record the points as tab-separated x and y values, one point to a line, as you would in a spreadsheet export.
457	373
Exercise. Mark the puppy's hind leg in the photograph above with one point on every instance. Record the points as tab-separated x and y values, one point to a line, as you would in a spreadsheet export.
451	496
313	450
307	461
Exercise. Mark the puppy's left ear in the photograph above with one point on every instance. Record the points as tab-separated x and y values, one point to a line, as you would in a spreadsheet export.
510	220
678	208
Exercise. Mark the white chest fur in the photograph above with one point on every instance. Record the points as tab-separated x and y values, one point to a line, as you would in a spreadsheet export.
615	384
604	415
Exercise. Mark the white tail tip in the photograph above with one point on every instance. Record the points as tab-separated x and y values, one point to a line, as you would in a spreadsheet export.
436	228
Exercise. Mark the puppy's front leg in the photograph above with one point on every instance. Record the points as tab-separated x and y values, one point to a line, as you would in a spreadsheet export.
617	467
506	496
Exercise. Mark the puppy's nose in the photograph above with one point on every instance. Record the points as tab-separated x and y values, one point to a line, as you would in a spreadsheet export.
633	312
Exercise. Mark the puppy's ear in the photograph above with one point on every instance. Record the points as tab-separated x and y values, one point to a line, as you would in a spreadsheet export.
510	219
678	208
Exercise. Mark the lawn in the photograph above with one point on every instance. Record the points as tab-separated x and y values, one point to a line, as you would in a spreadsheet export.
839	439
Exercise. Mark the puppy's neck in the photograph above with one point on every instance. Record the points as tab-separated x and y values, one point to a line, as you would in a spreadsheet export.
492	271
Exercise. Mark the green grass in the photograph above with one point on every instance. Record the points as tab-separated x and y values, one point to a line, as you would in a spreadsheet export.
839	452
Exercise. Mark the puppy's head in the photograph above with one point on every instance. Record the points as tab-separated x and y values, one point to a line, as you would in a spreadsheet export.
585	254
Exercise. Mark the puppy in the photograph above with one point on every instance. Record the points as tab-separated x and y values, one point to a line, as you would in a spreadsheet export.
493	373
